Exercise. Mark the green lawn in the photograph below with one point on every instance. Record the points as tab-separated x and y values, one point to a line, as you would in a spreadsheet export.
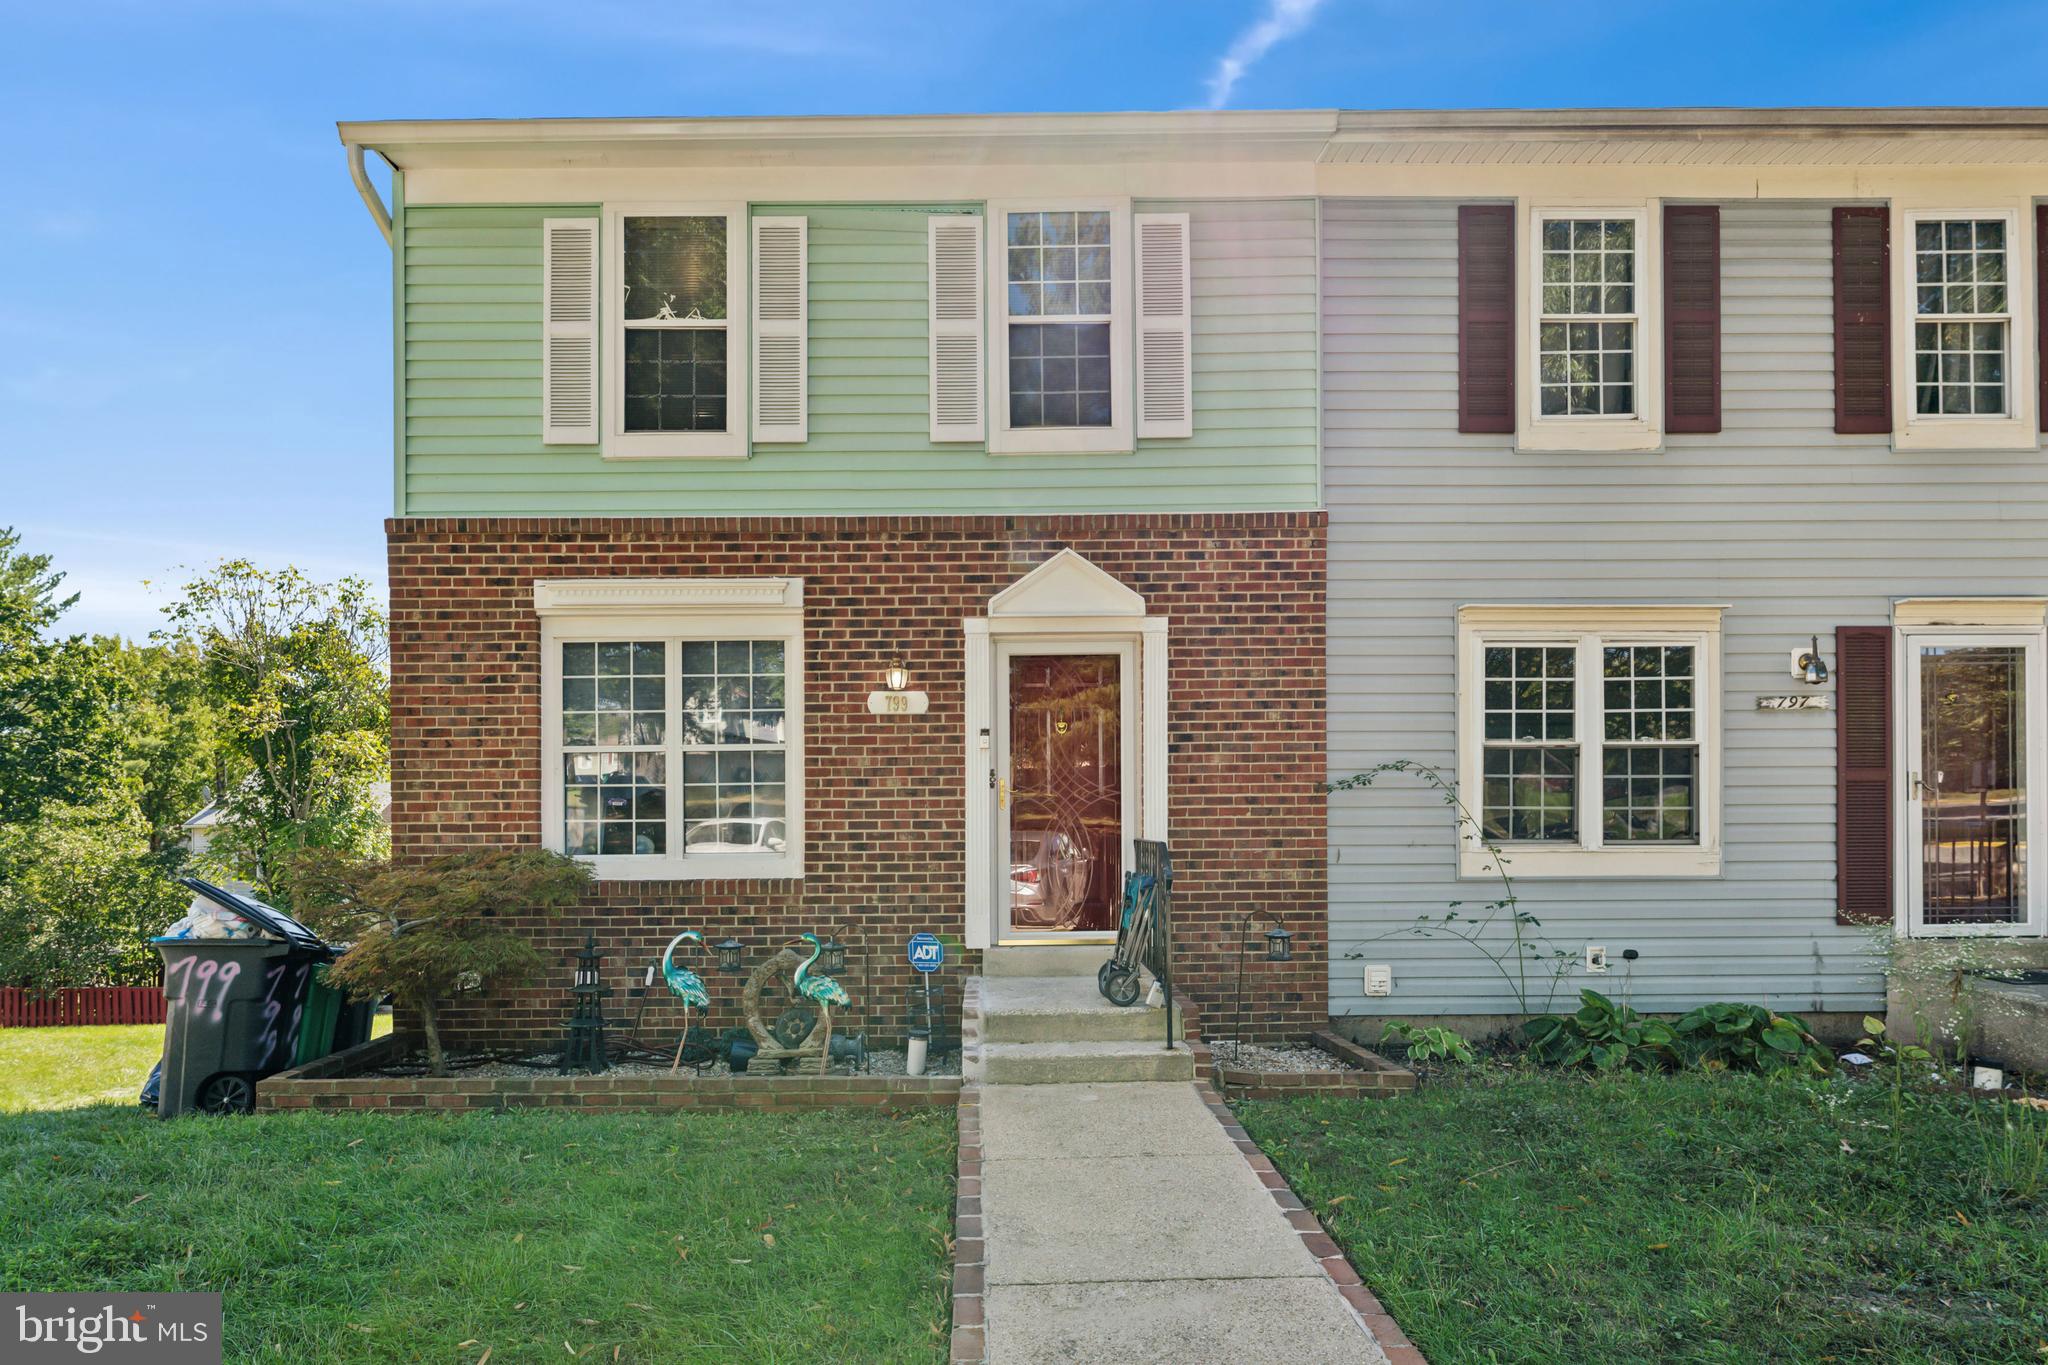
63	1068
1679	1218
696	1237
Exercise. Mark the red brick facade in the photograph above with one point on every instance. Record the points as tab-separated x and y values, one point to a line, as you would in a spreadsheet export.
884	797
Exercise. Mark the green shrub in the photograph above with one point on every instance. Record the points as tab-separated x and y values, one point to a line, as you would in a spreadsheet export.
1432	1044
1603	1036
1727	1036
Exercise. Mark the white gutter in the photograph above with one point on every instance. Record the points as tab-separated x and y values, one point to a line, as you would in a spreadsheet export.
356	172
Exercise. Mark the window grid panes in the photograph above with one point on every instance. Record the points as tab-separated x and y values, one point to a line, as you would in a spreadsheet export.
1650	750
1059	271
675	312
614	758
1529	771
1961	317
734	732
703	720
1586	329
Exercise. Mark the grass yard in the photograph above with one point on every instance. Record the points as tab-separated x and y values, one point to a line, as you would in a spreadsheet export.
692	1237
1695	1218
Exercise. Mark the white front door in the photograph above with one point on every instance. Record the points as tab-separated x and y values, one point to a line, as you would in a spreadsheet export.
1065	789
1972	745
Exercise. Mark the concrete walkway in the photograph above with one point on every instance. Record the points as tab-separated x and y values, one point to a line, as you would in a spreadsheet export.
1122	1224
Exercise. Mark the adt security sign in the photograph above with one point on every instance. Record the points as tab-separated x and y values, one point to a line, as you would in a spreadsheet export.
927	954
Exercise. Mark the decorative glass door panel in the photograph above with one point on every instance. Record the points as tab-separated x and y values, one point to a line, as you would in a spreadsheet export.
1971	784
1065	796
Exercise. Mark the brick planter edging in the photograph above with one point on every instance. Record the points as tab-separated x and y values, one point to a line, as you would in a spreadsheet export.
1375	1077
1365	1308
326	1084
970	1323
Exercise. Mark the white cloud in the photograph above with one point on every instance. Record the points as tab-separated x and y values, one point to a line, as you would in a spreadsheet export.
1283	19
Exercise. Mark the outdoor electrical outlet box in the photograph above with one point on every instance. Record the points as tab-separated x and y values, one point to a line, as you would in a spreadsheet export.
1596	958
1379	979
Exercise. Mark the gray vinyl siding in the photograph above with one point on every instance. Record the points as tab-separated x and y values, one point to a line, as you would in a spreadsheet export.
1797	529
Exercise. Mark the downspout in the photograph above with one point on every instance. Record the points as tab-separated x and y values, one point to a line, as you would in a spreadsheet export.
356	172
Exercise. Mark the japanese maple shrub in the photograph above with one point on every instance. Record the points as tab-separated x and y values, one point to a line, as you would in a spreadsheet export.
422	932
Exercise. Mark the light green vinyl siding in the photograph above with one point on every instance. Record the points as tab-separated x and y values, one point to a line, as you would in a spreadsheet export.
470	333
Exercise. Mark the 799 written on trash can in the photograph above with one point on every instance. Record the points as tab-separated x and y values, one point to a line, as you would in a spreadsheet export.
235	1008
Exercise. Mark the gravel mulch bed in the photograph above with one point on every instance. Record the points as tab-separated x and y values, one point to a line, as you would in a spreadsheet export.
1295	1057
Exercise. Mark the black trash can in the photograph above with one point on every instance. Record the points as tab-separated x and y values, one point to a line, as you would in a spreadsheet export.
233	1008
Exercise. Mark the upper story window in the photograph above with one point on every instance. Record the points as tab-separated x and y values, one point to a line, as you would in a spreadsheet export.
1590	347
673	732
1065	327
678	340
1586	334
1589	737
1962	322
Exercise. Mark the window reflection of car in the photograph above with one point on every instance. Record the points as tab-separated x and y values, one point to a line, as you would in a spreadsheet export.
1048	877
738	836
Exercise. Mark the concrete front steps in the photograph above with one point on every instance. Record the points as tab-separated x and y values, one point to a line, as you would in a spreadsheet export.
1043	1022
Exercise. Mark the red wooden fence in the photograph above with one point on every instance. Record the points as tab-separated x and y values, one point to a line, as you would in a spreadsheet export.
23	1008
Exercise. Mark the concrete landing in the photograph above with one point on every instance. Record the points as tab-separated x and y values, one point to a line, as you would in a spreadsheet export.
1052	1009
1121	1223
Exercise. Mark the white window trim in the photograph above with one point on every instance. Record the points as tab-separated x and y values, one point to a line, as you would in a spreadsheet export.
1644	431
2018	429
670	609
1587	626
1114	439
620	444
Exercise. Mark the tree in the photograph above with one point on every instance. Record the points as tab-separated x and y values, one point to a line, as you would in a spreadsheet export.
56	696
424	932
172	756
79	900
294	669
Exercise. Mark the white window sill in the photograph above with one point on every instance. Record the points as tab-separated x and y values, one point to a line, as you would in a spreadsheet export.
1060	441
2010	931
1678	860
1633	437
710	445
700	867
1964	435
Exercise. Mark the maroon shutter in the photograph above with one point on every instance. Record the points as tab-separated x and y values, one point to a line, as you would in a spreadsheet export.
2041	308
1863	326
1863	774
1692	317
1486	317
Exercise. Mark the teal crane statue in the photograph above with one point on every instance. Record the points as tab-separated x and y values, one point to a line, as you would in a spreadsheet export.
685	985
822	990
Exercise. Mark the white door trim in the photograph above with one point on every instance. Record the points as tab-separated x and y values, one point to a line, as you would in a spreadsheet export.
1103	612
1908	856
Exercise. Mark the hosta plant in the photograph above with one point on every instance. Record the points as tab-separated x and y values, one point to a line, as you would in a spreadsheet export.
1601	1035
1428	1044
1729	1036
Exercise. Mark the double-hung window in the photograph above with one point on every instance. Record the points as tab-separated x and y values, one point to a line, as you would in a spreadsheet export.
1962	327
1590	345
672	725
678	342
1063	274
1588	739
1962	317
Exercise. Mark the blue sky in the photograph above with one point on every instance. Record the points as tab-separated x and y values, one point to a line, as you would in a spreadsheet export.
194	314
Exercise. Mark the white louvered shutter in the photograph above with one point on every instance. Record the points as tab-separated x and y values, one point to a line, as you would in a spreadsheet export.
568	350
958	375
781	320
1166	371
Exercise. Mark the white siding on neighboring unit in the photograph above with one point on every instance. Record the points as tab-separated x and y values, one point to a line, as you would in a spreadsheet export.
1798	529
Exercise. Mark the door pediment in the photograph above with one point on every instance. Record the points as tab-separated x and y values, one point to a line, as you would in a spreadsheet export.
1067	585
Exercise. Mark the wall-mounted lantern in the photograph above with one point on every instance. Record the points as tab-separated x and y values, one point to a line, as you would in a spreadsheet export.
729	950
1808	666
897	677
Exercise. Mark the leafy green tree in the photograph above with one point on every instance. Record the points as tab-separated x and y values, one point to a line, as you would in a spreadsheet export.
80	898
57	743
424	932
294	669
173	757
